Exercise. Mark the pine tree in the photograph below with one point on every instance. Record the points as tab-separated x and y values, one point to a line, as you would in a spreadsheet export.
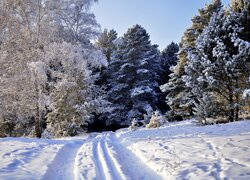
169	58
242	7
106	42
179	97
132	81
219	67
73	97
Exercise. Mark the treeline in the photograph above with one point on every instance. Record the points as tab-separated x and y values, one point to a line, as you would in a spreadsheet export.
210	80
132	78
56	82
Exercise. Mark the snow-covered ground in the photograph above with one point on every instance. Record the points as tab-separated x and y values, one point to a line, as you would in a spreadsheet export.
177	151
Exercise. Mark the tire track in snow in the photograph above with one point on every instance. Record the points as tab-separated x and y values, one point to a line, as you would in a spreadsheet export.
113	159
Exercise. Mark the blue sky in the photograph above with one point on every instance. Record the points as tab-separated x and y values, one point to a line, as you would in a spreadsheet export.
164	20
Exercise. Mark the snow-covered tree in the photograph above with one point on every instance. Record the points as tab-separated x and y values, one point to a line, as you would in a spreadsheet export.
77	23
71	89
169	59
106	42
169	56
132	77
30	78
242	7
219	67
179	96
23	24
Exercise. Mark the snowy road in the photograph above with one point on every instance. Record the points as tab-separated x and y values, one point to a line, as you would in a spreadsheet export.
177	151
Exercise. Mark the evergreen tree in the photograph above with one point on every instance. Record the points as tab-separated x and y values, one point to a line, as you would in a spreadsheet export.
218	68
106	42
73	95
179	96
169	58
132	80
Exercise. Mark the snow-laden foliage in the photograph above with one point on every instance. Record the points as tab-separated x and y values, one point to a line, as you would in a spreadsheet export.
179	96
246	93
219	67
134	125
77	22
106	42
168	59
156	120
74	97
132	77
46	66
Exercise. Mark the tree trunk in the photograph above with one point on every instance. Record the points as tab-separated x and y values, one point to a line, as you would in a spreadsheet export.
38	130
237	109
38	126
237	101
231	110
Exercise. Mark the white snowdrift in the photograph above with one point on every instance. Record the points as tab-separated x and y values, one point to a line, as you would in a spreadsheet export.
177	151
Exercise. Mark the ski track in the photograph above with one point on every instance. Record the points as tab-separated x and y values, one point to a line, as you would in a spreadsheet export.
110	160
100	169
111	170
131	166
62	166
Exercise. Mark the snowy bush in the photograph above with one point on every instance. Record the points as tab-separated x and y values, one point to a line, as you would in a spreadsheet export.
156	120
134	124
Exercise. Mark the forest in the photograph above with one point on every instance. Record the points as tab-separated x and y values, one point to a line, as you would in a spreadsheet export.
62	75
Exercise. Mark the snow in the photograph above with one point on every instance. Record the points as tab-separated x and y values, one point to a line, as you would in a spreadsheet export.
140	90
246	93
181	150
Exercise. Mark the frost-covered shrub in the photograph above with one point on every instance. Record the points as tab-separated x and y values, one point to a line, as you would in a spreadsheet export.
215	120
156	120
134	124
